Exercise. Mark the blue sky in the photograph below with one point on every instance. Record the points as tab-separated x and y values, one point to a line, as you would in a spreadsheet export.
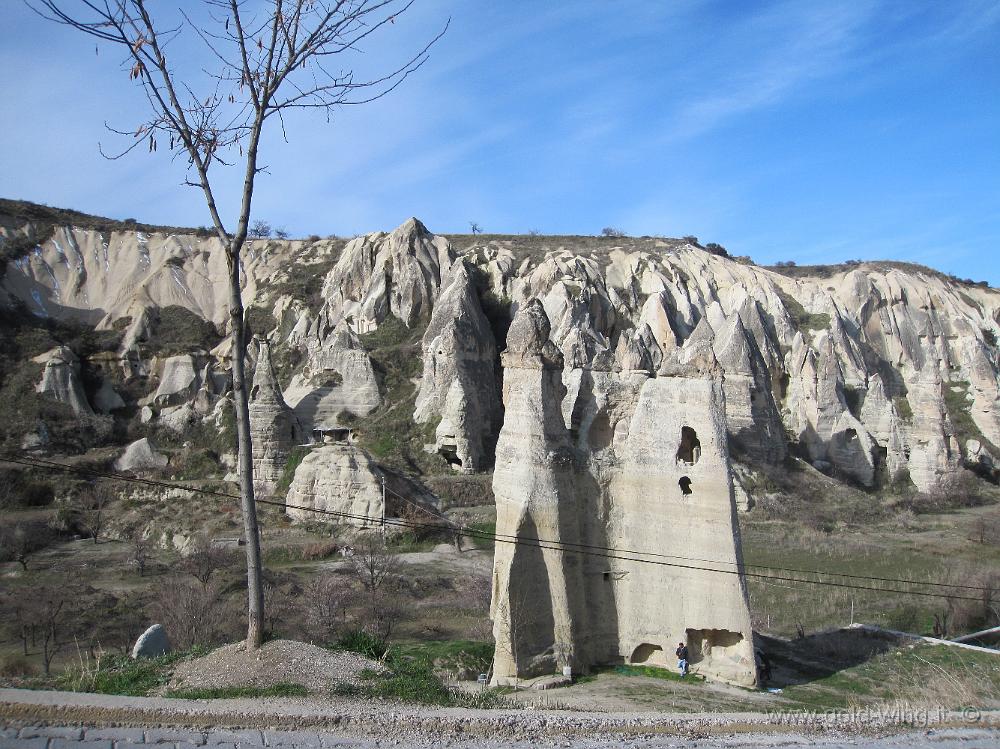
808	131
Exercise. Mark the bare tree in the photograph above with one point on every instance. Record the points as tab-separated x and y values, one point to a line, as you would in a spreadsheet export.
20	541
263	61
205	559
90	509
475	227
376	567
192	614
374	563
49	608
259	229
324	602
139	550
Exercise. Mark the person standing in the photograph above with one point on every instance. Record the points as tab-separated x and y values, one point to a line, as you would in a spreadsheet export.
682	658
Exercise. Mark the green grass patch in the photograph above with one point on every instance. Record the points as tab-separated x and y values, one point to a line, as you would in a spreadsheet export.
283	689
924	674
409	542
409	673
959	408
295	458
902	404
120	674
801	319
485	531
389	432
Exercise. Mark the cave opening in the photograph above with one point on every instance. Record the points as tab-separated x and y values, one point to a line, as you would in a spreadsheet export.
685	485
690	448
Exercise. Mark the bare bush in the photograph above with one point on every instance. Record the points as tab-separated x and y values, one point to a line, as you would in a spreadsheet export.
384	609
192	614
89	509
376	568
374	563
324	604
205	559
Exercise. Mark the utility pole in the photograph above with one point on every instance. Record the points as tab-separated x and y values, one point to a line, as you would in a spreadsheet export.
383	506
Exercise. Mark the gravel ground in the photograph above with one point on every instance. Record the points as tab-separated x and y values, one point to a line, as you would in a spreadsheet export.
276	662
388	724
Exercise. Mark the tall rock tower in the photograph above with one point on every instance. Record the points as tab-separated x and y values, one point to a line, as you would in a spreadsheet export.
274	428
628	508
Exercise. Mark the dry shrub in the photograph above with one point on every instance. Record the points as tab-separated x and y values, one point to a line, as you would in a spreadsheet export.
16	666
320	550
192	614
917	682
324	604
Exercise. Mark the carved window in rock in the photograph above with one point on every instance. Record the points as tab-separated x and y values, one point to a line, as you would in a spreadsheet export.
685	484
690	449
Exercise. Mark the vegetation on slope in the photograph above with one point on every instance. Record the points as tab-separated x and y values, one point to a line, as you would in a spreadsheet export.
389	432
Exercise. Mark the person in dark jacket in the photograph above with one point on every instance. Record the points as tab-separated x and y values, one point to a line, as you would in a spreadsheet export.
682	658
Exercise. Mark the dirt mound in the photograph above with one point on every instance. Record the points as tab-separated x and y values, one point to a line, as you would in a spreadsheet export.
276	662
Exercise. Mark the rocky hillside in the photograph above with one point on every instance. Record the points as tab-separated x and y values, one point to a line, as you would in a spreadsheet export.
874	372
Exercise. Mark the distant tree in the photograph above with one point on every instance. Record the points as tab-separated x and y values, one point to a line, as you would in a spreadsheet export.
716	249
259	229
534	233
49	609
612	232
21	540
691	239
90	509
281	233
138	550
204	560
476	228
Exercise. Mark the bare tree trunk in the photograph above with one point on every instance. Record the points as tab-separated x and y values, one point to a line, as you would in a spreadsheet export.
255	590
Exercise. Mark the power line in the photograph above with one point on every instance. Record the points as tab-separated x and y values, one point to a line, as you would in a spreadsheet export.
796	570
599	552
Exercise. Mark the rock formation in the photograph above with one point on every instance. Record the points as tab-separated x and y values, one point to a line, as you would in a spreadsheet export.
338	376
379	275
459	384
848	367
337	478
61	379
141	455
152	643
274	428
649	472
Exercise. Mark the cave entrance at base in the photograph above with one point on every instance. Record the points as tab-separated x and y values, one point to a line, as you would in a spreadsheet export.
712	644
646	653
449	451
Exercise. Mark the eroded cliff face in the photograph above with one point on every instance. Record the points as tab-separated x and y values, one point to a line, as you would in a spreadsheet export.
872	373
645	468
